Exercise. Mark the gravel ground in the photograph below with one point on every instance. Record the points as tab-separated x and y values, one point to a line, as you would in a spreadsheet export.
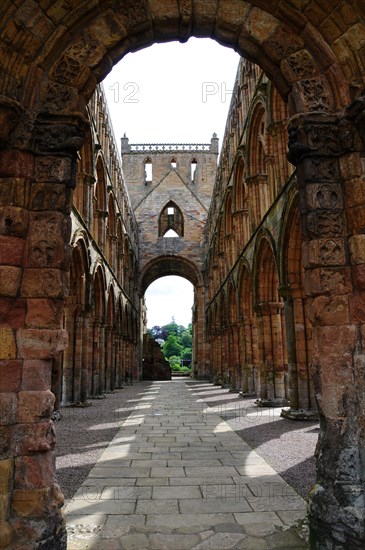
83	433
287	445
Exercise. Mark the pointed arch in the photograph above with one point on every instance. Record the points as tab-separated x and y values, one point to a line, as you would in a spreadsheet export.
171	218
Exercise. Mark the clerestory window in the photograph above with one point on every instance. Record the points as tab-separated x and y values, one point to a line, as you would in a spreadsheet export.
171	221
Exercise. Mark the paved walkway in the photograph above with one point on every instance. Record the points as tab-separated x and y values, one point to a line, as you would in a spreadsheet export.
177	477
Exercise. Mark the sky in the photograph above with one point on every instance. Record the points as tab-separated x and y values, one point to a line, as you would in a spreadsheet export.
170	93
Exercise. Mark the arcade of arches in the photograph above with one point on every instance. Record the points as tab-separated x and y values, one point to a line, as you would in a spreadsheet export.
280	283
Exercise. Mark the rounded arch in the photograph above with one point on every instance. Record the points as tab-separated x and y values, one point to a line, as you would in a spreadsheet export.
91	39
169	265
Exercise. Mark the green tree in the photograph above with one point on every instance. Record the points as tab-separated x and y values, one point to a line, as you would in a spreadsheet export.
172	346
186	339
187	353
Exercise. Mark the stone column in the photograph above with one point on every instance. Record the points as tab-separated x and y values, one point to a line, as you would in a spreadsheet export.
85	360
291	347
108	358
96	357
326	151
77	356
35	201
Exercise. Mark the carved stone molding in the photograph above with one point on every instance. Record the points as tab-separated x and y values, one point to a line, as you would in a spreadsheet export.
10	113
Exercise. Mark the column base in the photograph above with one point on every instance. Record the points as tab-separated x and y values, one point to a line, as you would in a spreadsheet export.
244	394
57	542
299	414
334	527
267	402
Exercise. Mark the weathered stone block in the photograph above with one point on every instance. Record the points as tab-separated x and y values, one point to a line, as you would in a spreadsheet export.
357	307
7	343
6	474
5	441
355	192
35	472
53	169
48	232
11	250
44	313
357	249
8	408
359	276
50	196
13	221
12	192
356	219
33	437
40	344
39	283
36	375
15	163
330	310
10	375
327	280
34	405
31	503
12	311
335	339
324	252
10	278
5	534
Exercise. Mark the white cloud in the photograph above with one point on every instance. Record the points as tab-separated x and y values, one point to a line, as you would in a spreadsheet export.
172	93
169	297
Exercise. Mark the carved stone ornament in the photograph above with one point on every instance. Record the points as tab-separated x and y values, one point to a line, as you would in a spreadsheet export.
53	169
316	93
186	7
356	112
325	252
313	136
86	50
321	169
10	112
283	43
324	196
325	224
62	138
298	66
69	71
56	97
134	11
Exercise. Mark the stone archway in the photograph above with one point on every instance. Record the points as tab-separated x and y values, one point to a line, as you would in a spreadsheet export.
52	58
181	267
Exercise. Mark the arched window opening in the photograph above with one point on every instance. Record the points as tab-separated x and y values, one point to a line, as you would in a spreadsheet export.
193	167
171	233
173	163
171	221
148	171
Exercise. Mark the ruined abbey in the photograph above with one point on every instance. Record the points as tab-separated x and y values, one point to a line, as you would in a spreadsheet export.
271	233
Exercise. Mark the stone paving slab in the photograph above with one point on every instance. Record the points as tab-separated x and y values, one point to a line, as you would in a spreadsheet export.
177	477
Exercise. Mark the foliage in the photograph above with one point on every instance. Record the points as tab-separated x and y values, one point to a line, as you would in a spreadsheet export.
177	342
172	346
